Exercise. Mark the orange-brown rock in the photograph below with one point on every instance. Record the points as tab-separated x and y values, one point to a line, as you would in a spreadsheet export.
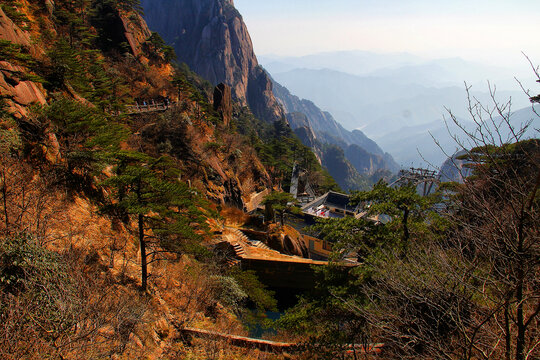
287	240
27	92
52	148
11	32
136	32
21	93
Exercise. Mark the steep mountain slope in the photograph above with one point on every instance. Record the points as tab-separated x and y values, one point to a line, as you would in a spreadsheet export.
211	37
34	72
91	180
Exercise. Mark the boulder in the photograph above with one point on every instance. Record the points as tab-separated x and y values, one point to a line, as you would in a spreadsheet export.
11	32
287	240
21	93
136	32
52	148
27	92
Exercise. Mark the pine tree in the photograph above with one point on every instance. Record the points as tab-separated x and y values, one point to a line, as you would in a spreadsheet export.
279	203
397	203
167	211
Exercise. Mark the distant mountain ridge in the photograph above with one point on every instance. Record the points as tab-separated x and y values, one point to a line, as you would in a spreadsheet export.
419	141
398	107
355	62
371	101
364	154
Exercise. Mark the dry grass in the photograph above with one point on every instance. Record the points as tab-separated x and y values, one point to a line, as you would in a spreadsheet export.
234	216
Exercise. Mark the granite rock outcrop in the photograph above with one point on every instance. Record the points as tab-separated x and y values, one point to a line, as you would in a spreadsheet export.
19	91
211	37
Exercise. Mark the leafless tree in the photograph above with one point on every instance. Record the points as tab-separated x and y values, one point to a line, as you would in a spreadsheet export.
471	291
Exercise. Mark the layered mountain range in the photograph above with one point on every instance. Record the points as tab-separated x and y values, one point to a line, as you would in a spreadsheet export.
400	100
212	39
362	152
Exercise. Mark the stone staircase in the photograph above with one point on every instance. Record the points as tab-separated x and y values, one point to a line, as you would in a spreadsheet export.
240	234
259	244
239	249
244	242
232	262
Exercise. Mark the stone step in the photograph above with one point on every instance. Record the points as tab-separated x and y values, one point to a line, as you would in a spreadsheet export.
239	249
232	262
259	244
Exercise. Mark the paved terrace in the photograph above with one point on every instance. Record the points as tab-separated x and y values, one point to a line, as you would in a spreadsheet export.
272	267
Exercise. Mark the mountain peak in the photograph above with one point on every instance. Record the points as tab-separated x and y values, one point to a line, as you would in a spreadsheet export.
212	39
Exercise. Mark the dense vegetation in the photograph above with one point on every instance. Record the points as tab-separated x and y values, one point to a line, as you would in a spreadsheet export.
103	218
63	283
450	276
279	149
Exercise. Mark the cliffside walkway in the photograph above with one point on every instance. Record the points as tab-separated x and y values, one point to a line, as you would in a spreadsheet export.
149	108
248	249
271	346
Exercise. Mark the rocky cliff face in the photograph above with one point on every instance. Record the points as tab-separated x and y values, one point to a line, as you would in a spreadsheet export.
20	92
211	37
229	175
455	168
318	120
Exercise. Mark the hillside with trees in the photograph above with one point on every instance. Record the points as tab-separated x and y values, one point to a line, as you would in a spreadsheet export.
133	193
453	275
115	165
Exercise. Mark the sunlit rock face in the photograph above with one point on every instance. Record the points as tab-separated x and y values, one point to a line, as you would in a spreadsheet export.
211	37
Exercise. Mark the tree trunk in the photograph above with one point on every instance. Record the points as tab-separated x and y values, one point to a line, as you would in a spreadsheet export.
520	341
520	322
520	318
4	196
268	212
405	226
144	266
507	335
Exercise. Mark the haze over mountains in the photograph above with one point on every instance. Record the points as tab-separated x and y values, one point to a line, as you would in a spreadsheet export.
211	37
396	99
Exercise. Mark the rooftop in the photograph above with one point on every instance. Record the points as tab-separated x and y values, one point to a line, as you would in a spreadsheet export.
326	205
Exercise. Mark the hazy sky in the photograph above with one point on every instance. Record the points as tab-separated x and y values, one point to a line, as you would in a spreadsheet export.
487	30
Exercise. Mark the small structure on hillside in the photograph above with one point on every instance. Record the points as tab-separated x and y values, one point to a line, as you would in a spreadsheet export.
332	205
